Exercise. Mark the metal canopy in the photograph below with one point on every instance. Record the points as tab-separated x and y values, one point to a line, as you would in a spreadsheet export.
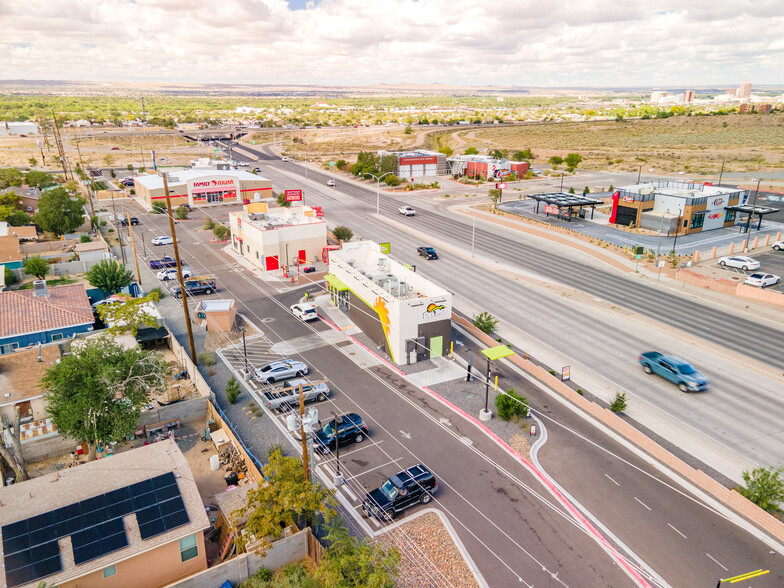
566	200
497	352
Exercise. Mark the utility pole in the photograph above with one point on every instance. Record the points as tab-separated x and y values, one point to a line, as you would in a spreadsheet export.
142	154
179	271
42	124
59	144
133	245
119	228
91	191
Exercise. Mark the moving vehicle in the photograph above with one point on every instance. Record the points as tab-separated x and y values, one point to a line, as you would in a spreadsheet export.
427	252
280	370
124	221
406	211
762	280
741	261
778	246
331	183
351	429
287	397
171	274
404	489
305	311
284	158
675	370
115	149
165	261
195	285
163	240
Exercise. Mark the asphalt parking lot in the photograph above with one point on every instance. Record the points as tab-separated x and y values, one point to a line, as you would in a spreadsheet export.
770	262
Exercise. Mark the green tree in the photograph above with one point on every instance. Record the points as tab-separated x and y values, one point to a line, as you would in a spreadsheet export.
525	154
586	190
281	199
158	207
10	176
555	161
58	212
510	405
388	164
181	212
85	239
10	276
485	322
32	161
408	130
495	195
446	150
39	179
619	403
17	218
109	275
129	314
471	151
499	153
36	266
341	163
96	391
572	161
221	232
764	487
129	167
342	233
232	390
571	189
286	499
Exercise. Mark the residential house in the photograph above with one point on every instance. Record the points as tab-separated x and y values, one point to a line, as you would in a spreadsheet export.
11	254
20	377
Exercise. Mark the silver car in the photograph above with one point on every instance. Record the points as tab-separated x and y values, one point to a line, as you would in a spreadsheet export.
171	274
281	370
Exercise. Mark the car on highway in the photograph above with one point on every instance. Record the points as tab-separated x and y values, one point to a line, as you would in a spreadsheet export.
171	274
351	429
740	261
331	183
415	485
124	221
674	369
163	240
406	211
281	370
427	252
778	246
115	149
304	311
762	280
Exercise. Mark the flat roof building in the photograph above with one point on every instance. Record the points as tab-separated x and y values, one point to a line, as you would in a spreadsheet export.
404	313
485	167
418	164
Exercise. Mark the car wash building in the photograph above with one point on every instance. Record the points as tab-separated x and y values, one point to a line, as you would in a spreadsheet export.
203	187
418	164
676	207
406	315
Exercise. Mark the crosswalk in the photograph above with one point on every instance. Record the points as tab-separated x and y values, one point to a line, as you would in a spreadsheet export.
258	350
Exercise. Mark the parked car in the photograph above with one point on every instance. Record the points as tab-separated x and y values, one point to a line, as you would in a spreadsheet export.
351	429
115	148
281	370
287	397
198	285
331	183
113	299
762	280
404	489
165	261
406	211
124	221
305	311
778	246
284	158
675	370
171	274
740	261
427	252
163	240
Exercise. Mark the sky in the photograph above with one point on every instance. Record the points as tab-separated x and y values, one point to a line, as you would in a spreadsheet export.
589	43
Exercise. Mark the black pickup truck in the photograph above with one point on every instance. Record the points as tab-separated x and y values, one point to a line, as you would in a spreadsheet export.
415	485
165	261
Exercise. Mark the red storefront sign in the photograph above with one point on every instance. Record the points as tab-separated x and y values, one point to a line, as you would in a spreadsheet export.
293	195
417	160
550	209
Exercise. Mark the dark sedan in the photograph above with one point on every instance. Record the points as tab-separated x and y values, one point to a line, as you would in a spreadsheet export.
351	429
427	252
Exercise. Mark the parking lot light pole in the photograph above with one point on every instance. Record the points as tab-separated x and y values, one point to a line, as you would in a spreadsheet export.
493	353
245	352
335	422
753	208
378	187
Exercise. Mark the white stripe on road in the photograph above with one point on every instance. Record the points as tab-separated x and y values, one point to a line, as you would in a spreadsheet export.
714	559
375	468
677	531
641	502
611	480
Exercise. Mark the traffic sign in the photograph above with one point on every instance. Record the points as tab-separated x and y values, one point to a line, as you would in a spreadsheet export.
501	186
39	143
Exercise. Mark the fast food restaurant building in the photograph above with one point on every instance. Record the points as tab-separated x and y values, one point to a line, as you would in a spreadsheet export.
203	187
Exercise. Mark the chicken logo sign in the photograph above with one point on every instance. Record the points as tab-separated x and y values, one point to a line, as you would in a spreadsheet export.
433	310
714	215
718	202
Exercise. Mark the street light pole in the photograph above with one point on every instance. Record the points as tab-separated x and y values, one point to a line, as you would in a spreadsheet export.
753	208
639	173
378	187
244	350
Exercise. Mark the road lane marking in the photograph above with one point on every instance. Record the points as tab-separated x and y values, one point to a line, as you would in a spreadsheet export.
611	480
375	468
677	531
641	502
717	561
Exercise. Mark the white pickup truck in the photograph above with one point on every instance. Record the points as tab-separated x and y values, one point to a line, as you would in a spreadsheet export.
286	398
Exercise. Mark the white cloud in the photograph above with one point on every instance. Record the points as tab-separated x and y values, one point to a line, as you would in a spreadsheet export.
524	42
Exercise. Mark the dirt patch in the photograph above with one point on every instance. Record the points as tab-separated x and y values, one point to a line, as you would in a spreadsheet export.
519	443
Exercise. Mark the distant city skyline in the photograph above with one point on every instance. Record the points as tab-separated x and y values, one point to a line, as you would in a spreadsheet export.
690	44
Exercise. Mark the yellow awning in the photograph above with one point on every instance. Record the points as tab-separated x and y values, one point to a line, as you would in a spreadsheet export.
335	282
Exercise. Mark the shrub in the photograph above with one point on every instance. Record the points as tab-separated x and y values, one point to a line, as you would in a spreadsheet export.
85	239
764	487
221	232
392	180
158	208
209	224
103	223
206	358
408	130
181	212
232	390
36	266
619	404
485	322
342	233
160	291
510	405
10	277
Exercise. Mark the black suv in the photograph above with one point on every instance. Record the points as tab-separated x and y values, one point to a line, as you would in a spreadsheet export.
416	484
427	252
351	429
124	221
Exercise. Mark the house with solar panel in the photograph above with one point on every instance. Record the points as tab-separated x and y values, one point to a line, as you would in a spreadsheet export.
133	519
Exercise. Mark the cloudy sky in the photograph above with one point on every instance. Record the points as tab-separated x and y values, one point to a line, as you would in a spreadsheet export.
688	43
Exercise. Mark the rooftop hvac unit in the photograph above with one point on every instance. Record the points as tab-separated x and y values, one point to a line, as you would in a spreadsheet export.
39	289
379	279
404	289
382	265
393	288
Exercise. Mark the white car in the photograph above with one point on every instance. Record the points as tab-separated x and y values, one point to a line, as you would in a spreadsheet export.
778	246
741	261
406	211
284	158
281	370
171	274
163	240
331	183
763	280
304	311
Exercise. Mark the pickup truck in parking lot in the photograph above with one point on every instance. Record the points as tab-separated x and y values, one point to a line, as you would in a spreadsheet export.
414	485
675	370
165	261
197	285
288	397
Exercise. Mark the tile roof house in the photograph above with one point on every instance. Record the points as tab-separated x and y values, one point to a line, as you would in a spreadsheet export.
10	251
20	381
43	315
131	519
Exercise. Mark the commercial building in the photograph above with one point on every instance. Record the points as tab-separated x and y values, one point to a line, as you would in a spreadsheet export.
418	164
404	313
131	519
277	238
18	128
688	96
744	91
676	207
203	186
486	167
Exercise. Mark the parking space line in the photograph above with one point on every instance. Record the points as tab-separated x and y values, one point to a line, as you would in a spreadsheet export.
375	468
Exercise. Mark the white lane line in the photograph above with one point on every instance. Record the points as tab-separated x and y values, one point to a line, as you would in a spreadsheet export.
677	531
641	502
349	492
345	452
375	468
714	559
611	480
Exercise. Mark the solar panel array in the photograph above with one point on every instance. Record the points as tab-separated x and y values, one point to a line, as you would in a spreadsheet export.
30	547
